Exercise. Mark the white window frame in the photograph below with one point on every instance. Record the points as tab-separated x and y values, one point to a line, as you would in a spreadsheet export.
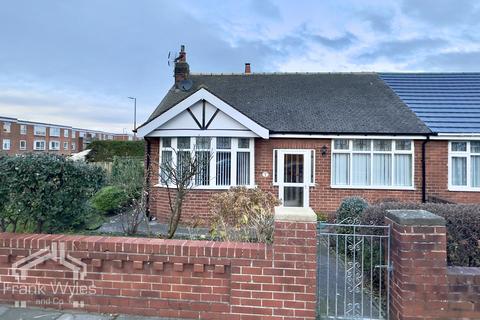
6	144
65	133
7	127
309	153
213	162
23	129
40	131
65	145
53	132
24	147
41	142
464	154
74	146
54	148
392	153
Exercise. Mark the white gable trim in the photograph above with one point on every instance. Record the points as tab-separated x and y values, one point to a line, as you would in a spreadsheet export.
201	94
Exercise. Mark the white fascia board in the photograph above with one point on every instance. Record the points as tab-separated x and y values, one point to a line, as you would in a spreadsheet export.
203	133
456	136
201	94
339	136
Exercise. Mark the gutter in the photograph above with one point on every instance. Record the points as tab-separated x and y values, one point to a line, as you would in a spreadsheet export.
147	177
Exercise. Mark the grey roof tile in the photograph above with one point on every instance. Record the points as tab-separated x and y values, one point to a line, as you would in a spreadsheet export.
343	103
446	102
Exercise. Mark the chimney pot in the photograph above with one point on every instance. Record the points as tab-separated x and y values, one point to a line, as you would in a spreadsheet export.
248	69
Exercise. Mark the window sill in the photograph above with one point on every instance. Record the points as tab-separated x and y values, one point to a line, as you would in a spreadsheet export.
207	187
463	189
374	188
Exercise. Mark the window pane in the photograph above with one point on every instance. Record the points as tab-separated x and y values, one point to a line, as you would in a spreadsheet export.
382	145
203	143
312	166
166	142
341	168
183	143
361	169
203	174
382	170
224	143
459	146
243	168
475	171
293	196
244	143
475	146
361	145
403	145
223	168
293	171
459	171
403	170
165	166
340	144
183	164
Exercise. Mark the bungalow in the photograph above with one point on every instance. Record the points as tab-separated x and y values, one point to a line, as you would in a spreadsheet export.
316	138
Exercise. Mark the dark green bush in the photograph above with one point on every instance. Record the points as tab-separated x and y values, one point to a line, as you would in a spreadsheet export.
350	210
462	222
127	174
105	151
45	192
110	199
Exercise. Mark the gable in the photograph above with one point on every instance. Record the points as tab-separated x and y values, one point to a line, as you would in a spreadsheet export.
203	114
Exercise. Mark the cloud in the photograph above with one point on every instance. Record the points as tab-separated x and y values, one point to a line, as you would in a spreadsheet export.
399	50
266	9
451	62
442	12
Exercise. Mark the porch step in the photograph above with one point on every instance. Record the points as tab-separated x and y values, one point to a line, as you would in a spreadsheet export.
295	214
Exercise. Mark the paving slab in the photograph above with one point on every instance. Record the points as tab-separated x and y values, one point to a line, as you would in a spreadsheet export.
83	316
29	314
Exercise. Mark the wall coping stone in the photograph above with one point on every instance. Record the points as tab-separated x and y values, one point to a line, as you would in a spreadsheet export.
415	218
292	214
464	271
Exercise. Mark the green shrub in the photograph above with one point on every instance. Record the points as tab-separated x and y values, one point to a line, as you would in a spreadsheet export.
462	222
350	210
105	151
46	192
110	199
242	214
127	174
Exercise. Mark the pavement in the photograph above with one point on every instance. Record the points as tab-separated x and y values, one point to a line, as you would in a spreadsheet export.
115	226
12	313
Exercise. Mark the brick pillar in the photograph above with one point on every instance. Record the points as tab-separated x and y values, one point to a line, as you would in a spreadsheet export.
295	255
419	287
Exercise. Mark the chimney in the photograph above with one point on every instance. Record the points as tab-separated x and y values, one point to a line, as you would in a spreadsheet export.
248	70
182	69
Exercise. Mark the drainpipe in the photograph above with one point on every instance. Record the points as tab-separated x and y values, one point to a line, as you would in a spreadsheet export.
147	176
424	169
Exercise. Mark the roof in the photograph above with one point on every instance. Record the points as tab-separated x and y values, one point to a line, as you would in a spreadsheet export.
446	102
343	103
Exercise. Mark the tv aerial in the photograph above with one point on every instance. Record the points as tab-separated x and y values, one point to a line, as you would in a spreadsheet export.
172	58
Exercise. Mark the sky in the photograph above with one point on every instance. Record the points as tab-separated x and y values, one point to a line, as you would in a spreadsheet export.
75	62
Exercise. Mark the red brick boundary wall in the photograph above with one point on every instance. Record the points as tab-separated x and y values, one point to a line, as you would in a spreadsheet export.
423	287
170	278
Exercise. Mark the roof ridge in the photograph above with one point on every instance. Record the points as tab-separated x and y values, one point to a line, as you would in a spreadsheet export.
276	73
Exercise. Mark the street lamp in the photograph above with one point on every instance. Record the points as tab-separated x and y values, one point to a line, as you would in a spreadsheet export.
134	116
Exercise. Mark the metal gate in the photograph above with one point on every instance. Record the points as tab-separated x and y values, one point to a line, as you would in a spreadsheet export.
353	274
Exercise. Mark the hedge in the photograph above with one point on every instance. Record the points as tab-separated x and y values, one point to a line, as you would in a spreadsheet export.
105	151
462	222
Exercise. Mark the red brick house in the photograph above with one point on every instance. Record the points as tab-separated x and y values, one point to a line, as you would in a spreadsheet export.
314	138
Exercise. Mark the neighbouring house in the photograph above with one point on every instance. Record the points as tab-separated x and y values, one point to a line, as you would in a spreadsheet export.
21	136
316	138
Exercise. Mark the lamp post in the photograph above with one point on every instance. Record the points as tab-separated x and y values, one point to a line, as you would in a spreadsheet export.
134	116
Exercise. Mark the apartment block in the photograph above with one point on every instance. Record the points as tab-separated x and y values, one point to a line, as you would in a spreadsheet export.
22	136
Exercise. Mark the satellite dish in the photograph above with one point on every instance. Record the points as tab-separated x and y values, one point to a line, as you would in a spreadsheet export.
186	85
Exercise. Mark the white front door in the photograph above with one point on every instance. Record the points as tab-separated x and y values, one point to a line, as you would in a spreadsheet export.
294	177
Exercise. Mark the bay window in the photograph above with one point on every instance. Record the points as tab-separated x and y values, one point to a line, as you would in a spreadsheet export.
464	165
221	162
364	163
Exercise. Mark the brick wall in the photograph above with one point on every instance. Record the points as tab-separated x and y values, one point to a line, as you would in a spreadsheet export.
171	278
423	287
